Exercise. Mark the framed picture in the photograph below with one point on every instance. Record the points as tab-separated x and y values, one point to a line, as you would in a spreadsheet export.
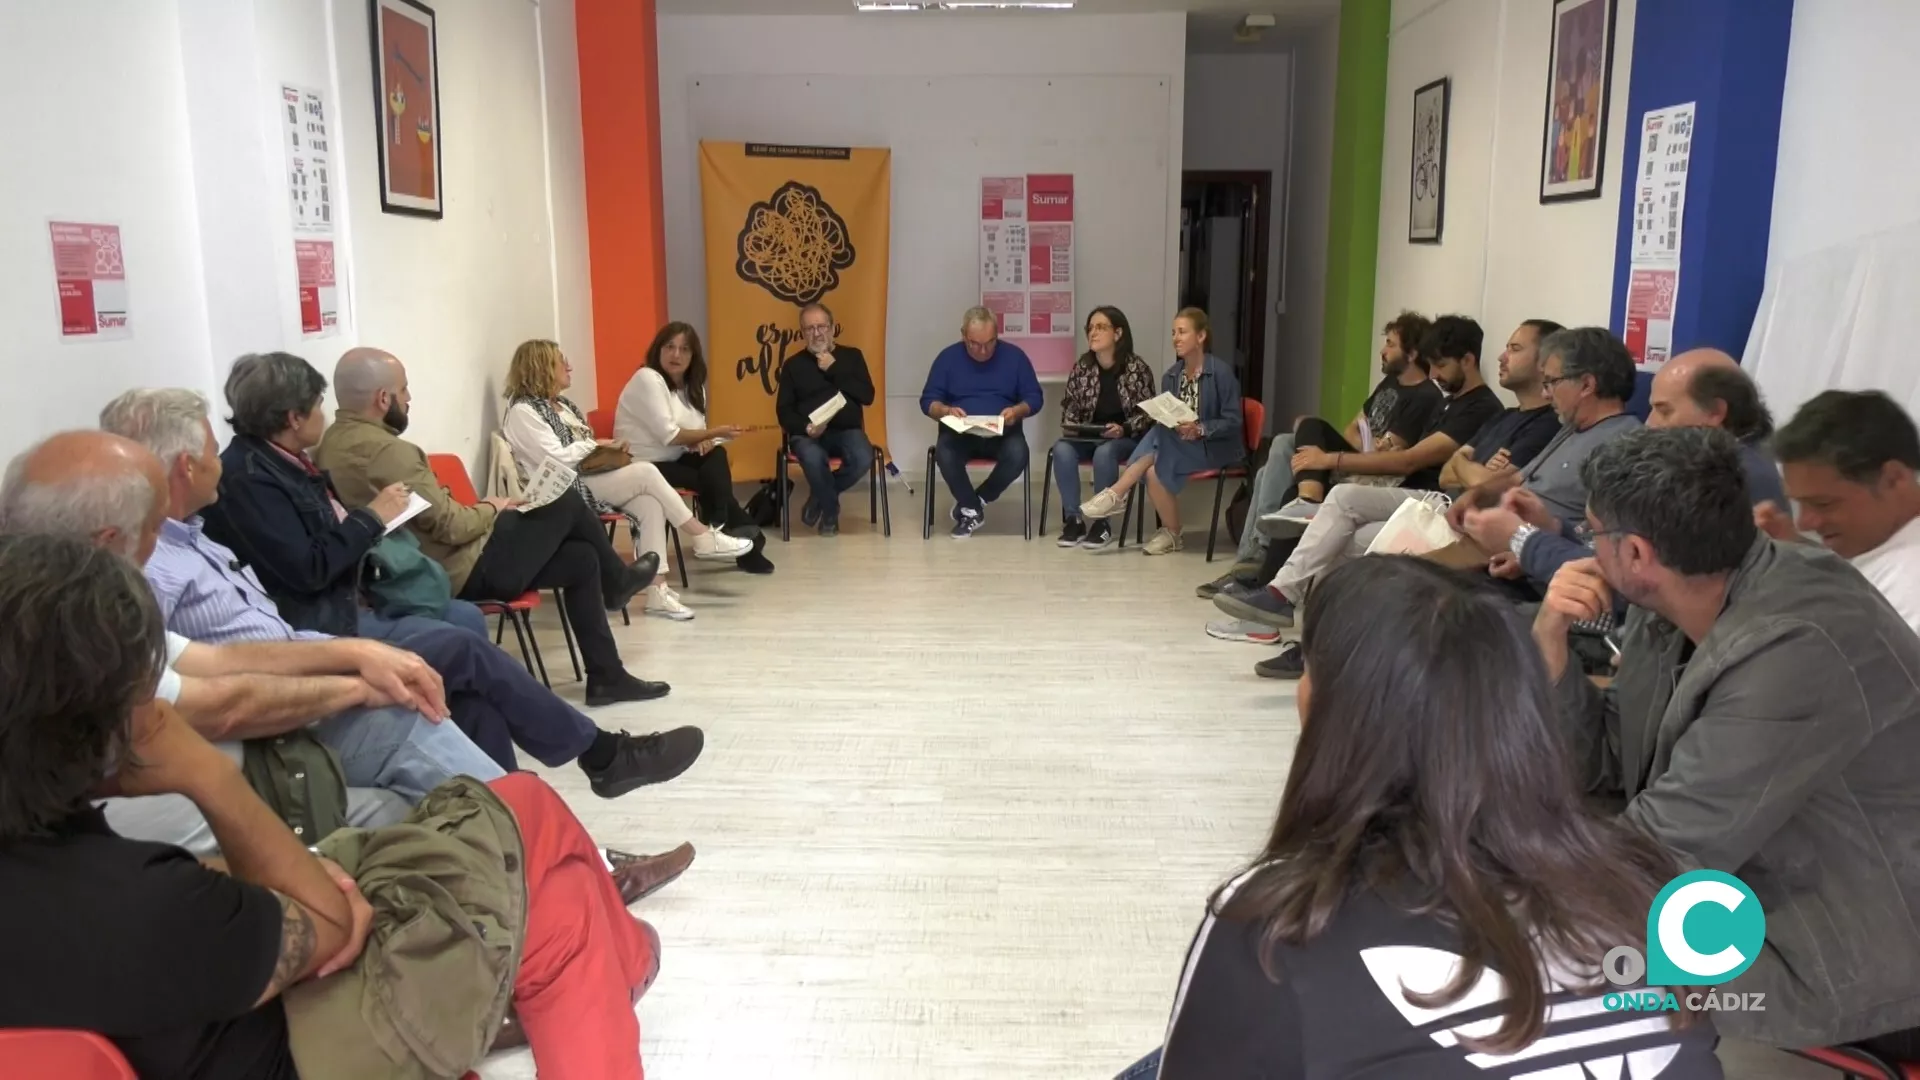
1427	198
1579	81
406	93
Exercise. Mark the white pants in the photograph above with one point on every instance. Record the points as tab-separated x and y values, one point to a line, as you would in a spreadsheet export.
640	492
1349	519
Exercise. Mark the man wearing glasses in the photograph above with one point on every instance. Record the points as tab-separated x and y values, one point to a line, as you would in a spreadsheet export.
980	380
824	378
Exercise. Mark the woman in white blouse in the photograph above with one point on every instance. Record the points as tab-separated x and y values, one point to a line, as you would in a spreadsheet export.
663	419
541	424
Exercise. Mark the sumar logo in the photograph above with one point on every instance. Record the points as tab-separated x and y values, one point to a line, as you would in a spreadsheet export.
1704	928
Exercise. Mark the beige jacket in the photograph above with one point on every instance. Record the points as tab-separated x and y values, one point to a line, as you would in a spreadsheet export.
365	456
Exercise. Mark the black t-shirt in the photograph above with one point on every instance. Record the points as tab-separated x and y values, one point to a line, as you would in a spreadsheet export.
1458	418
1393	409
142	944
1522	433
1338	1010
1107	407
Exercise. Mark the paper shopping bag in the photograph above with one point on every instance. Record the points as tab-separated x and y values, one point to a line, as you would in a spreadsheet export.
1417	527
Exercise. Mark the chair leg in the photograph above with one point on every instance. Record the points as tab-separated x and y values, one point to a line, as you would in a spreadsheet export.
539	662
880	480
500	628
679	558
1126	518
780	492
1213	528
926	503
566	630
1140	521
1046	486
527	656
1026	504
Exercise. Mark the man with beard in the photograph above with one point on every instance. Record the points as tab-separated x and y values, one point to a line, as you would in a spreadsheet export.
1764	722
809	380
492	550
1453	348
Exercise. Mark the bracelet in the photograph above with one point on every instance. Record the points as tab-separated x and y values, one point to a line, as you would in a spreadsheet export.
1337	459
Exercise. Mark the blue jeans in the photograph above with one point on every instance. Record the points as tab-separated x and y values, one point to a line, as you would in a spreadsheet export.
1107	456
824	485
1269	494
493	699
1145	1069
952	451
401	751
459	613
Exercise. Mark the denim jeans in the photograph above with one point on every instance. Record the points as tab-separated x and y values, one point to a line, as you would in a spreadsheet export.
402	751
393	631
824	485
1145	1069
1269	494
952	451
1107	456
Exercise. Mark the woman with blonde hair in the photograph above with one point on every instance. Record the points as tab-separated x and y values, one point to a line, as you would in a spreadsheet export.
541	424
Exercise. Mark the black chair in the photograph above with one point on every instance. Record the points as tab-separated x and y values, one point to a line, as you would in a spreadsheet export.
933	483
878	510
1046	488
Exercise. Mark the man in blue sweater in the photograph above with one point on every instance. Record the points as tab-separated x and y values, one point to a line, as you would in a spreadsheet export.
980	376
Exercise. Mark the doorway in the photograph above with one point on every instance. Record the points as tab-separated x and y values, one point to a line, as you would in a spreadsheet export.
1223	265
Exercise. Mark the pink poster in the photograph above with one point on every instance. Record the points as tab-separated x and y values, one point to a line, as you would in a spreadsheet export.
319	299
90	276
1026	252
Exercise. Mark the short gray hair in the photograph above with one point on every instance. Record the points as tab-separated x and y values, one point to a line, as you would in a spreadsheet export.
167	422
978	316
263	388
79	508
1595	351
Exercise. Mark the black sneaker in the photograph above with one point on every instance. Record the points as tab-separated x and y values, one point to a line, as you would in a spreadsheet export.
1261	604
623	687
647	759
966	522
639	575
830	526
1099	535
1290	665
1071	532
809	514
1232	579
755	561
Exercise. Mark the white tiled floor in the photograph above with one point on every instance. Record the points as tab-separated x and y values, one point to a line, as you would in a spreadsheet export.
959	810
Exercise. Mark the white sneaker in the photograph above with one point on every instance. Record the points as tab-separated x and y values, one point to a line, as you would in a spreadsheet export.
715	545
1164	542
664	602
1287	522
1105	504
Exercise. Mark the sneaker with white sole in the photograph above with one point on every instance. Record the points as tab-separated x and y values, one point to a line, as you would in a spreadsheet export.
664	602
715	545
966	521
1099	536
1164	541
1246	630
1287	522
1104	504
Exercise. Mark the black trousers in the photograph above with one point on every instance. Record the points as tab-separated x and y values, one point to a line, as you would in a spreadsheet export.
1314	431
562	545
710	477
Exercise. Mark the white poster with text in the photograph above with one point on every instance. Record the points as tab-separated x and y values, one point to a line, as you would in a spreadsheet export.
1027	265
1659	217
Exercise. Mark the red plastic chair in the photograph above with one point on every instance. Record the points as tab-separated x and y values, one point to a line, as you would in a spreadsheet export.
31	1054
1858	1064
878	511
1253	420
452	474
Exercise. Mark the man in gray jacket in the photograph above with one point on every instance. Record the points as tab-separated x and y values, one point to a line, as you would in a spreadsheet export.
1764	722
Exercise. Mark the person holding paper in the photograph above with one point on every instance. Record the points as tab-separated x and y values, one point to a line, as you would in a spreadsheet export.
1202	396
282	515
823	389
663	419
1102	420
542	426
979	389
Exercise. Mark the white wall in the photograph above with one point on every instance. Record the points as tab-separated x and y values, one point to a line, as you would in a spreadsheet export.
955	98
1843	257
175	135
1503	257
1238	110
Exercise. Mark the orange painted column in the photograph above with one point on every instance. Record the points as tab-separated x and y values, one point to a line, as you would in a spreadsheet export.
618	43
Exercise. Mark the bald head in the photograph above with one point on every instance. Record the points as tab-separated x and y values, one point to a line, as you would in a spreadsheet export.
362	375
1706	388
88	485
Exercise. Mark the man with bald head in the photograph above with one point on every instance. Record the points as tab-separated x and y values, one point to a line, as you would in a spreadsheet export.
495	549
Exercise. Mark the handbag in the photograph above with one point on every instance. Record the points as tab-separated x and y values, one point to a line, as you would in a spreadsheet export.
604	459
401	580
1417	527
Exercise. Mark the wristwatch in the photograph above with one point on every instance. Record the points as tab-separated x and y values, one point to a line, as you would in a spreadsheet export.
1520	537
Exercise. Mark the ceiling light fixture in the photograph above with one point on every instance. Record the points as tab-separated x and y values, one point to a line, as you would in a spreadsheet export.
964	5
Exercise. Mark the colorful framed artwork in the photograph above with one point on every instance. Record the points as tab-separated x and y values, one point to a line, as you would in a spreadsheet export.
1427	198
1579	82
406	90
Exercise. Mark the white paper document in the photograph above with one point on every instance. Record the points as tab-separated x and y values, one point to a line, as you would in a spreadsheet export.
976	425
1366	436
1168	409
550	481
824	413
415	504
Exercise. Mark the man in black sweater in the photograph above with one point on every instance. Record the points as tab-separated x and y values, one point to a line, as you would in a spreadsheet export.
811	384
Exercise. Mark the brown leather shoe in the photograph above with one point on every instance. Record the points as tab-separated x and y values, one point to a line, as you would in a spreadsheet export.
640	876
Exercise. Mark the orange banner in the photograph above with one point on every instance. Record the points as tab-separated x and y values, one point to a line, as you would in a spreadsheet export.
787	226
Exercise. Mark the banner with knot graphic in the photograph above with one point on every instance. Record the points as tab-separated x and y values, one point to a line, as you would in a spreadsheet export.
788	226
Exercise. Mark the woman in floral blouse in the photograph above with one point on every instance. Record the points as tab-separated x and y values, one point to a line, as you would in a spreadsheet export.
1101	423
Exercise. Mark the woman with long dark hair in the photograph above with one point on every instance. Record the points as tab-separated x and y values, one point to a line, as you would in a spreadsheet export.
1101	420
1435	900
663	418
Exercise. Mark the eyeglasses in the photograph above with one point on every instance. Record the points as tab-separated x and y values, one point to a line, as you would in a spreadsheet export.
1101	328
814	331
1552	381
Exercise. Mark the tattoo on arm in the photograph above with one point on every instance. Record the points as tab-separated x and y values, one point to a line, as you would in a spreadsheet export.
297	942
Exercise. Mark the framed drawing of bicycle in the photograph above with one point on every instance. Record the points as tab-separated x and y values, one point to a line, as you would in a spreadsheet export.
1427	198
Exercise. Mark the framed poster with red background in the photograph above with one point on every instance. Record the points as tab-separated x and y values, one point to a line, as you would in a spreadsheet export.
406	90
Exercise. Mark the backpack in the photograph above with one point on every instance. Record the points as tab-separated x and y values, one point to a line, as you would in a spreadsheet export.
401	580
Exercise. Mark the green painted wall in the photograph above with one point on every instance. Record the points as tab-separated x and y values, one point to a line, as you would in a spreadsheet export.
1353	210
